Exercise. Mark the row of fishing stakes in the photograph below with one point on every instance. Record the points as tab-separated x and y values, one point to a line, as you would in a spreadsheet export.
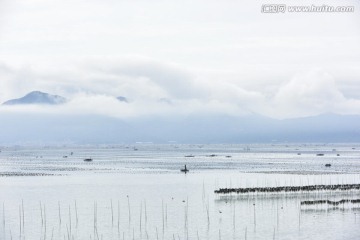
145	216
21	220
68	226
68	219
310	188
334	203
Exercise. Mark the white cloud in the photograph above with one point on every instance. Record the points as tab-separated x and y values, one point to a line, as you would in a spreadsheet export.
204	56
311	93
93	85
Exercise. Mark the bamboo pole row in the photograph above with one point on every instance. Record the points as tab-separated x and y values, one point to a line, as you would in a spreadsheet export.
309	188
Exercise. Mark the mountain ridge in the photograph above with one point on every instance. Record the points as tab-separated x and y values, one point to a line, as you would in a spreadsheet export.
37	97
98	129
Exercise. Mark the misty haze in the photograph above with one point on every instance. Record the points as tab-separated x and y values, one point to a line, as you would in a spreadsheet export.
179	120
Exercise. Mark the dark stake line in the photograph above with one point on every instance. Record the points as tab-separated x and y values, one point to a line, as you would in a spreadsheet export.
334	203
341	187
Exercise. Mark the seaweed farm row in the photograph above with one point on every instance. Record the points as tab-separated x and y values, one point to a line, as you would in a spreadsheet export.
329	202
284	189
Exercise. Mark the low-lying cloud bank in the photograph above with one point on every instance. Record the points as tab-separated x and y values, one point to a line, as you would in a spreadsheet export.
157	89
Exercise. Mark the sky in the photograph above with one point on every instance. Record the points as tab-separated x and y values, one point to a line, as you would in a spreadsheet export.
180	57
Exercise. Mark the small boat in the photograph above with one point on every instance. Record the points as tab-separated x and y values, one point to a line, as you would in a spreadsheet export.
185	170
211	155
88	160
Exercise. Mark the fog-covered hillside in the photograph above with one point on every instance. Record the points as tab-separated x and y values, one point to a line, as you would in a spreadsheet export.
18	128
36	97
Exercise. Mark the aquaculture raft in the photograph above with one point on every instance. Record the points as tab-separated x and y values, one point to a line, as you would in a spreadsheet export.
310	188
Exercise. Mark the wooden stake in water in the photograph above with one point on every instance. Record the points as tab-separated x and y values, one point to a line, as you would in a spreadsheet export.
94	218
129	209
70	219
140	214
23	214
234	217
254	218
45	220
112	214
203	191
187	220
59	213
277	216
20	224
145	213
76	214
4	215
118	216
299	216
42	219
68	233
274	234
207	212
166	215
162	214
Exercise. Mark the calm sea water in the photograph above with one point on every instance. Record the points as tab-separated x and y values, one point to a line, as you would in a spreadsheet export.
138	192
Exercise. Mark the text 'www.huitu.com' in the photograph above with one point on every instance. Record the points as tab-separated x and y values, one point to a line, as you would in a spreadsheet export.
283	8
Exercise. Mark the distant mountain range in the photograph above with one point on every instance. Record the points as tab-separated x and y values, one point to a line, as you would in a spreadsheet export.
17	128
42	98
37	97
